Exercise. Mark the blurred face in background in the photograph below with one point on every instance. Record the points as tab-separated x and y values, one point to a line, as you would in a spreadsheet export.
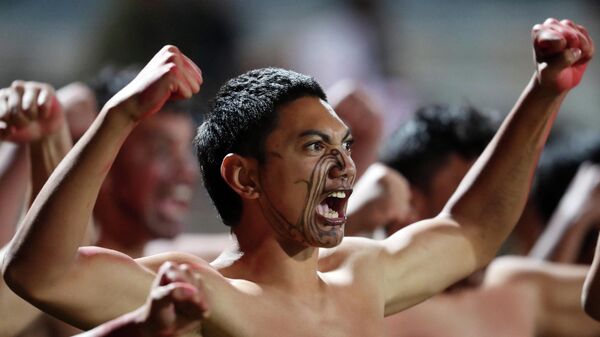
155	173
428	203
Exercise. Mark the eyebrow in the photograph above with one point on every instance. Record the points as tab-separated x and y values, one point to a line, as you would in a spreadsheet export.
324	136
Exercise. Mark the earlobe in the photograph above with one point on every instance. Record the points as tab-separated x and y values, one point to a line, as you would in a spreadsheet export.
238	172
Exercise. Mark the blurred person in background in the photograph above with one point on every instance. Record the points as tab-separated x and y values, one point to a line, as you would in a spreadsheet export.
426	158
38	127
358	110
146	197
565	199
590	297
492	181
148	191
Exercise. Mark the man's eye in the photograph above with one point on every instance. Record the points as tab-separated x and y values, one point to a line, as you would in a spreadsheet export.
347	145
315	146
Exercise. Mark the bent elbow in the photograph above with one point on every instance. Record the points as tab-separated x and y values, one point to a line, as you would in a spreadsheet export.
19	280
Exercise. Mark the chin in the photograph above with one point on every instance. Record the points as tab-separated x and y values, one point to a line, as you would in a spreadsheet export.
166	229
329	240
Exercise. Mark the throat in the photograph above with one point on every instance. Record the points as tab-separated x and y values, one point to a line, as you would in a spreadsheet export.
269	264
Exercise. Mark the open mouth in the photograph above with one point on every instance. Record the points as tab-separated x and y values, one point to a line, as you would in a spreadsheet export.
333	207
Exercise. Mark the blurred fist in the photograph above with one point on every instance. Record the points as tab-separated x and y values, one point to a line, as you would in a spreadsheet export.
357	110
169	75
381	198
562	50
177	302
28	112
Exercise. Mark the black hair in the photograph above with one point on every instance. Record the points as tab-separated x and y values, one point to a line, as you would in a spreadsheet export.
421	145
110	80
243	114
557	168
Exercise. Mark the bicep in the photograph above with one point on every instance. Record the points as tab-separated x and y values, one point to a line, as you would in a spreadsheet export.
101	284
423	259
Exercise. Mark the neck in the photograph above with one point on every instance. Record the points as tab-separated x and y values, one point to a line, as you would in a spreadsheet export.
265	259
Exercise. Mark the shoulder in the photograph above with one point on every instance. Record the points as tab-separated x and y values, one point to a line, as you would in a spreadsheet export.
511	270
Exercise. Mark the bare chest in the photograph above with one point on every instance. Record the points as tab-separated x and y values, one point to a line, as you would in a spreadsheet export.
342	313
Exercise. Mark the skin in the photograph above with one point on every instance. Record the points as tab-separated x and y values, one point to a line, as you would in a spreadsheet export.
35	125
356	109
575	216
148	191
311	185
518	297
156	171
272	271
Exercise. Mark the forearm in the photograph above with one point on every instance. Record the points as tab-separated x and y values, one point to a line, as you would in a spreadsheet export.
62	208
561	240
491	197
14	168
46	153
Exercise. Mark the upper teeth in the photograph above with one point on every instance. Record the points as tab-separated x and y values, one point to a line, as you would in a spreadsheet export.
181	192
338	194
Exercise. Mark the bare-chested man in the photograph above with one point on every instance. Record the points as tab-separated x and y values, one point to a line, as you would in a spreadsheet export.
276	161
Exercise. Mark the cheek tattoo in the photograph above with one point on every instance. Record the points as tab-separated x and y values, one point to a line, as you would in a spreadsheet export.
306	229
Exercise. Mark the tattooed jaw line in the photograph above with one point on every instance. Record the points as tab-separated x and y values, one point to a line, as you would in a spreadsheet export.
323	215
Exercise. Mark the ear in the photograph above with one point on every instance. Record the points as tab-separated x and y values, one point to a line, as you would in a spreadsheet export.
418	203
240	173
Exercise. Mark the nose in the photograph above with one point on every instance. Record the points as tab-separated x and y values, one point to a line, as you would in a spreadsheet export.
344	167
187	168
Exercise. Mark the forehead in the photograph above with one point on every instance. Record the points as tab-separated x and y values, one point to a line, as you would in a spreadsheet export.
308	113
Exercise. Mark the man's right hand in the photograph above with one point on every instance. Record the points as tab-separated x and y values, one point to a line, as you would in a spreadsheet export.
177	302
29	111
169	75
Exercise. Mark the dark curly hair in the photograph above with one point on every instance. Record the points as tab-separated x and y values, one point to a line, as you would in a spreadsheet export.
420	147
243	114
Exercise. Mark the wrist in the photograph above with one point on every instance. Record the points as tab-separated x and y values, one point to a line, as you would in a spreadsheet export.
545	91
118	116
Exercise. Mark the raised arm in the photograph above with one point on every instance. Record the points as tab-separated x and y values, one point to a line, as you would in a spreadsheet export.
33	120
577	213
44	263
425	258
14	179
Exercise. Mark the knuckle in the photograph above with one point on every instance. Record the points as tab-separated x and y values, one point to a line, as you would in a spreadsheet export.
167	266
171	48
17	84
